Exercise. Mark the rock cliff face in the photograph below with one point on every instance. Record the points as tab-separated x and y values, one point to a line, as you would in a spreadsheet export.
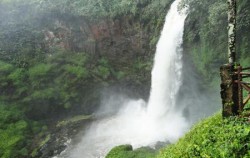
120	39
128	43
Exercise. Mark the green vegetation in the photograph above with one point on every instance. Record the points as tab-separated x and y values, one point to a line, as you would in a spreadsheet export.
58	83
12	132
102	8
126	151
15	132
205	37
213	137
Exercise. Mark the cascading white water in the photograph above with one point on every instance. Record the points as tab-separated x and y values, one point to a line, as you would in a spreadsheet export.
166	73
138	123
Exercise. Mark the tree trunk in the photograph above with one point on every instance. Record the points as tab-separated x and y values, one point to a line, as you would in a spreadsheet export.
231	30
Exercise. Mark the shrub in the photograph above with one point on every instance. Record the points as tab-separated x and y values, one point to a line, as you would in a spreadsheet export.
213	137
13	129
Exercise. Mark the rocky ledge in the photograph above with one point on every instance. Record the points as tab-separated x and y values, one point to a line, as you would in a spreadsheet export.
59	137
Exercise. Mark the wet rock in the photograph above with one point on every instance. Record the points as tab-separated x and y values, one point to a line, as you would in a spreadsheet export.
60	137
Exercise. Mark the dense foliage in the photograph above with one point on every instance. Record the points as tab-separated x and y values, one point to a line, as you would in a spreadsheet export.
213	137
12	130
205	37
16	132
63	81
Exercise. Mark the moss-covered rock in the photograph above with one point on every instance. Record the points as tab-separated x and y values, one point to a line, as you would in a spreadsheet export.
126	151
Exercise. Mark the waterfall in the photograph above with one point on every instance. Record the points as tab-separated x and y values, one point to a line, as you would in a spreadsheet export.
166	73
139	123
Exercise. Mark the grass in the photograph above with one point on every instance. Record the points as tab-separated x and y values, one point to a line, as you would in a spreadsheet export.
213	137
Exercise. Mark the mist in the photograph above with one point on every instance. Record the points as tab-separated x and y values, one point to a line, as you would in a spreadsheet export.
125	121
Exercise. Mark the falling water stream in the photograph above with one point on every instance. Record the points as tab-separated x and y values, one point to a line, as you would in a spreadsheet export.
139	123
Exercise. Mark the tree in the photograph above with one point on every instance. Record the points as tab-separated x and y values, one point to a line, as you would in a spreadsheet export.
231	30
